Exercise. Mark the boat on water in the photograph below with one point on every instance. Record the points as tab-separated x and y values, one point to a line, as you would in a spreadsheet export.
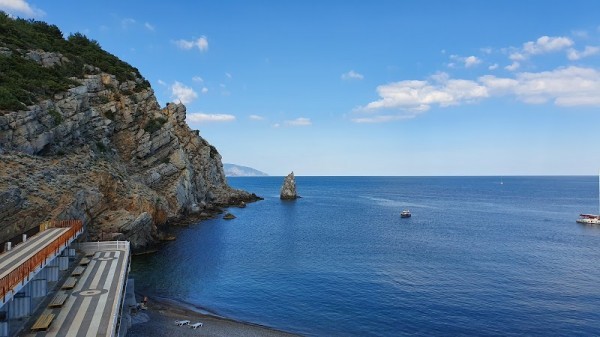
405	214
591	219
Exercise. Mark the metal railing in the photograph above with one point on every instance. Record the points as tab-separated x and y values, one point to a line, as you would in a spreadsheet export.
22	272
103	246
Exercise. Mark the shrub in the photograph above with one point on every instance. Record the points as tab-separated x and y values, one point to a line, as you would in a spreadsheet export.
154	124
56	115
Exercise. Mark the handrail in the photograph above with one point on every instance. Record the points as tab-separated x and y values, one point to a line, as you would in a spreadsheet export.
8	282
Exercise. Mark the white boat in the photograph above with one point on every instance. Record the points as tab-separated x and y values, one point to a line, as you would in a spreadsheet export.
591	219
405	214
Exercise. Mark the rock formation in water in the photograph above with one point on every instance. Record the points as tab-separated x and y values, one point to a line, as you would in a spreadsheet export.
95	145
288	189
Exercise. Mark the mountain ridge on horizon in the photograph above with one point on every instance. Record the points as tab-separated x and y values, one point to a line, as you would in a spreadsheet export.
234	170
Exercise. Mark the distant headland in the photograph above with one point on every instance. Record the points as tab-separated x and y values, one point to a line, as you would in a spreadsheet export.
233	170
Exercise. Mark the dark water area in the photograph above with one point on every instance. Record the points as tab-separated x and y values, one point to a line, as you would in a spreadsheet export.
477	257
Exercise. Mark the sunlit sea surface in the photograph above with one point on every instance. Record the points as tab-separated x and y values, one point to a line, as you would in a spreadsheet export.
480	256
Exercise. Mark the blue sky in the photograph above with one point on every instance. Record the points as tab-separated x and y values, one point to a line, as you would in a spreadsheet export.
366	87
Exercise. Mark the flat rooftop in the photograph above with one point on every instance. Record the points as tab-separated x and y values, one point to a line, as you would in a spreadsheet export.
92	307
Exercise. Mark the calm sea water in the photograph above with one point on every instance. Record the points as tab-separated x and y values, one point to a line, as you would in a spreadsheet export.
477	258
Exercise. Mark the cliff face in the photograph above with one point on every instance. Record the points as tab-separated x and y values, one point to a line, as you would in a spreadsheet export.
105	152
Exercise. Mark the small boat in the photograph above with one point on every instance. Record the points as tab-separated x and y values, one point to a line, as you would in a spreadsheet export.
589	219
405	214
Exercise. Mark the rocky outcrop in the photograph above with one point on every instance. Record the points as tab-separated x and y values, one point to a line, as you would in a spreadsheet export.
107	153
288	189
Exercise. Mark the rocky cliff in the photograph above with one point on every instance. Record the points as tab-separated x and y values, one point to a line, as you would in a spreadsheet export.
101	149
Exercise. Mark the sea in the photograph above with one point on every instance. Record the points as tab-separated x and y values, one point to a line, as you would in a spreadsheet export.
480	256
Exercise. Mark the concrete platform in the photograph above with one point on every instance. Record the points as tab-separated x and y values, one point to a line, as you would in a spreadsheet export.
93	307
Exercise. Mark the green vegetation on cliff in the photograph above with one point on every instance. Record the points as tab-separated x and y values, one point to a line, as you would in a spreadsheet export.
24	81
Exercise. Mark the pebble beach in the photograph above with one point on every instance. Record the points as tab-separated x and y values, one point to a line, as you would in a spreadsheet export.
158	320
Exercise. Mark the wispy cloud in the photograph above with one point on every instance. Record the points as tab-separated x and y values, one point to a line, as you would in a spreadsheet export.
575	55
256	117
127	22
149	26
200	43
543	45
20	7
352	75
301	121
161	82
182	93
204	90
201	117
197	79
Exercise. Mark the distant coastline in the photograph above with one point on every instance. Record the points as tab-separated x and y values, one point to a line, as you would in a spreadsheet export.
233	170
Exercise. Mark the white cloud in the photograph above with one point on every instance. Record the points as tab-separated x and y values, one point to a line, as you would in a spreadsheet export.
301	121
543	45
493	66
566	87
517	57
575	55
203	117
204	90
467	62
547	44
197	79
20	7
352	75
200	43
182	93
570	86
161	82
513	66
256	117
149	26
472	61
418	96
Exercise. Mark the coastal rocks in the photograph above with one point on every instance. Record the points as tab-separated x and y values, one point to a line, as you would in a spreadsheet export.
288	190
106	153
228	216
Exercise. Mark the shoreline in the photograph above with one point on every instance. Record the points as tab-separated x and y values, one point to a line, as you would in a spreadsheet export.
161	313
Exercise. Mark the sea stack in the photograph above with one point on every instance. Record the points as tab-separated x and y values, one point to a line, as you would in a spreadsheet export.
288	190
